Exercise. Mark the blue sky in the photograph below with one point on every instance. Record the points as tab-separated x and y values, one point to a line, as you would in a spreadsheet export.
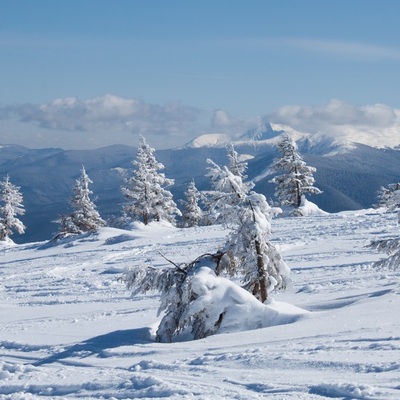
90	73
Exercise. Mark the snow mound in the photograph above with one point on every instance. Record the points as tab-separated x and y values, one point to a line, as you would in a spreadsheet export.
106	235
7	242
344	390
308	208
233	308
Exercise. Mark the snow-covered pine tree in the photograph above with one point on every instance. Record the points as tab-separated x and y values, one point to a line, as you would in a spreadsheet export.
297	179
391	247
228	187
251	252
145	193
67	227
389	197
382	196
192	213
237	167
84	215
248	214
11	205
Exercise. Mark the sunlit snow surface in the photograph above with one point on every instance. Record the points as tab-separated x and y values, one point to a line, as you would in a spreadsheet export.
69	329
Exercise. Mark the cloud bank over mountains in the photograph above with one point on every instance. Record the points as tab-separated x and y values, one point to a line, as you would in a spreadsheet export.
377	125
104	120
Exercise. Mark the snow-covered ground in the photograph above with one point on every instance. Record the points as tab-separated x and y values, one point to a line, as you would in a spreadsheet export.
69	328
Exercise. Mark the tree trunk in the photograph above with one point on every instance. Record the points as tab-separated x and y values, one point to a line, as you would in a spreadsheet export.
298	191
262	274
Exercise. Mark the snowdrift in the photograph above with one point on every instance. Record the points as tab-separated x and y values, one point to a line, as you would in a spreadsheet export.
307	209
233	308
70	329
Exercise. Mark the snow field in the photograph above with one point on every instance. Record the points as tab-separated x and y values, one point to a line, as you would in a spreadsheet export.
69	329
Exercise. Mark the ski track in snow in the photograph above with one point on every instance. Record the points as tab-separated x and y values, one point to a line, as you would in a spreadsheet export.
69	328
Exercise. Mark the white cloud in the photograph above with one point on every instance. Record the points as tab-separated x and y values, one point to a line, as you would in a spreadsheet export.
223	122
73	123
106	112
221	119
103	118
344	48
100	121
336	113
376	124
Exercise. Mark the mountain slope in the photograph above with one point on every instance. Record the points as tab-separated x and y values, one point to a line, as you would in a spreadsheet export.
71	330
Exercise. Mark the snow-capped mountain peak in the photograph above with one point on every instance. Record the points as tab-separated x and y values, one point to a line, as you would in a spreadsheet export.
268	134
210	140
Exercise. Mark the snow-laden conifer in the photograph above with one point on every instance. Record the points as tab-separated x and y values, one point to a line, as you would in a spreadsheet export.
192	213
84	216
391	246
237	167
147	198
251	252
11	205
227	193
249	215
297	179
389	197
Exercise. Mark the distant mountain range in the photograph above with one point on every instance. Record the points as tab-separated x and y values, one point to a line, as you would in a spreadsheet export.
348	173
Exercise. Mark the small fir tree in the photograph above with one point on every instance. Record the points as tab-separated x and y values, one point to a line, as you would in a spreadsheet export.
84	216
11	205
145	193
297	180
192	213
237	167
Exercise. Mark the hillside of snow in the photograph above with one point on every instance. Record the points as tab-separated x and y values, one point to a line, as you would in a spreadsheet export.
69	329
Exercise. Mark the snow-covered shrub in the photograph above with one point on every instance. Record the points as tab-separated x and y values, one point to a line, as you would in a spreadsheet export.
177	295
196	301
391	247
388	197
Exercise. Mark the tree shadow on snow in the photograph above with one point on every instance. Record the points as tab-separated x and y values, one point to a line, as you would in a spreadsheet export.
99	345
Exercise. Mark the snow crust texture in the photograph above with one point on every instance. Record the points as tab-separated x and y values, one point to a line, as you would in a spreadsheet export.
70	330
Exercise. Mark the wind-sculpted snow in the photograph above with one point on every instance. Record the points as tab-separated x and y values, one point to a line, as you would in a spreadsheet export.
69	329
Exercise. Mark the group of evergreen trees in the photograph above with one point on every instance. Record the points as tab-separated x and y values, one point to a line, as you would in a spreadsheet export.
147	197
247	253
